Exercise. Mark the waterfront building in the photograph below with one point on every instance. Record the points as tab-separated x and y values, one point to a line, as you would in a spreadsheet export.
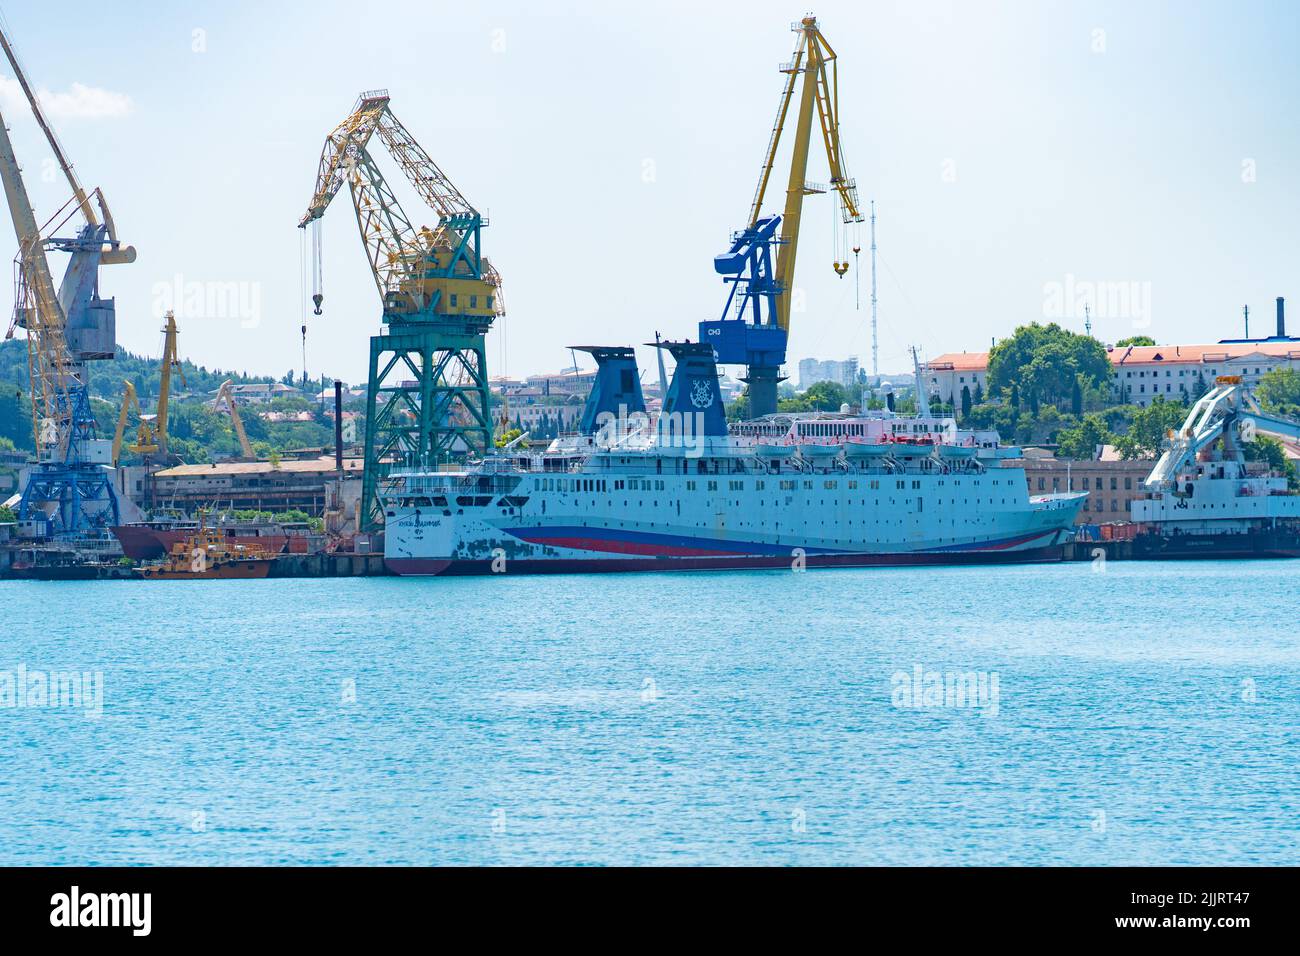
1139	373
285	485
1112	483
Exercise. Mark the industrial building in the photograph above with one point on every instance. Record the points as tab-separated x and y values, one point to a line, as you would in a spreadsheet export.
1112	484
308	485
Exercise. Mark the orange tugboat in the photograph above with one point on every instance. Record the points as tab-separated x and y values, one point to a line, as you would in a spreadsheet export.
207	554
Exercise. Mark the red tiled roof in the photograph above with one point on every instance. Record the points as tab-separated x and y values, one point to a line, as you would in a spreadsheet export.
1142	355
1219	352
959	362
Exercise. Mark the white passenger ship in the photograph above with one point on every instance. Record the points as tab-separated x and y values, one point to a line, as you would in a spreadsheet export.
685	492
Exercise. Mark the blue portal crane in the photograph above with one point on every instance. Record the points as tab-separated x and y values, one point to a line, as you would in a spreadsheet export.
69	492
754	335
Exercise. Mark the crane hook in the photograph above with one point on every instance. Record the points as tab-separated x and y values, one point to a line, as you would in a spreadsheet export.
317	299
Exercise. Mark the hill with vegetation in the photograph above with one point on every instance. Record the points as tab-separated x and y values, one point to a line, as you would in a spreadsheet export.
199	433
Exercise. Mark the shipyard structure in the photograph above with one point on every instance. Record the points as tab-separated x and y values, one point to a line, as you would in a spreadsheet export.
592	471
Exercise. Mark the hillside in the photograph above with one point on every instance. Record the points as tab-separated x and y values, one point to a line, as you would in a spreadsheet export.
199	434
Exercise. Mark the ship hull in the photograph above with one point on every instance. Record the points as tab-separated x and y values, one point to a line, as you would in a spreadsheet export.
241	569
144	543
1252	544
649	511
427	567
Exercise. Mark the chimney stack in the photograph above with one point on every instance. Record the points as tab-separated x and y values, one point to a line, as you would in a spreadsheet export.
1281	317
338	425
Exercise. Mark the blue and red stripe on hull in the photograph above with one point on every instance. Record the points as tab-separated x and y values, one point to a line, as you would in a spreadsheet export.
651	544
648	551
657	545
446	566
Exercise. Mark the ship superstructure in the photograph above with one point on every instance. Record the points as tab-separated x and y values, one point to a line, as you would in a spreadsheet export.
682	491
1203	483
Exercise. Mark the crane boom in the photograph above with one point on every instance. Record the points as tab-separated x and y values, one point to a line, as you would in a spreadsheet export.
1219	414
820	92
129	400
115	253
36	306
68	493
170	360
225	394
428	399
760	341
403	258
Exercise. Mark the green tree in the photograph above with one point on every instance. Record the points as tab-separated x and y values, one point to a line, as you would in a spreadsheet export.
965	401
1080	440
1043	363
1200	388
1279	391
15	414
827	396
7	515
1149	428
738	410
1269	449
1135	340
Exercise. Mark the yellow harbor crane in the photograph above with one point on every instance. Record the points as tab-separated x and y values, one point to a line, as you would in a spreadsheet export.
428	400
152	438
144	443
812	56
226	395
170	360
755	323
68	493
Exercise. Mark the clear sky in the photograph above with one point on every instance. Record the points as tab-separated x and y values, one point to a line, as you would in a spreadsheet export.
1015	150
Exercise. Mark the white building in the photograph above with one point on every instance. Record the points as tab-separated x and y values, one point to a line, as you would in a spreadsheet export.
948	374
1140	372
259	393
843	372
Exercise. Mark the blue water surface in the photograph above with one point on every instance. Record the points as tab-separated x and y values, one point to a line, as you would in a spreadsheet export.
1146	713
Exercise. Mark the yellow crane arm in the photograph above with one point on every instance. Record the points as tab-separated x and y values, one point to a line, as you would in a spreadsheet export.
226	395
114	254
791	71
37	308
438	192
343	148
828	111
170	360
398	251
128	399
144	443
821	94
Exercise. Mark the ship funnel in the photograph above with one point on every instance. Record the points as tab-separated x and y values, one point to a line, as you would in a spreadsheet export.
617	389
693	405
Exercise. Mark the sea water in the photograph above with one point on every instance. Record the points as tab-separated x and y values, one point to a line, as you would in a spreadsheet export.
1126	713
